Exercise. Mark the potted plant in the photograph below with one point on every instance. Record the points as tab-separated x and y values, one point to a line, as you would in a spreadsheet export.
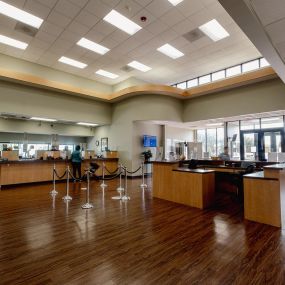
146	155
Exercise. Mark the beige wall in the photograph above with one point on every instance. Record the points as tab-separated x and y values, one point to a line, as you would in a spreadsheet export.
260	97
128	83
31	101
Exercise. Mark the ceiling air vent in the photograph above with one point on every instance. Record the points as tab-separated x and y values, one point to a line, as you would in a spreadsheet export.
194	35
127	68
25	29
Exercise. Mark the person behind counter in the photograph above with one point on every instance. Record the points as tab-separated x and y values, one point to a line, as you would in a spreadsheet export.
225	155
76	160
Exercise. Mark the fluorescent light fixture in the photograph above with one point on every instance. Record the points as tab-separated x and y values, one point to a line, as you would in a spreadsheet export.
72	62
121	22
175	2
92	46
11	42
87	124
170	51
43	119
214	30
214	124
106	74
20	15
139	66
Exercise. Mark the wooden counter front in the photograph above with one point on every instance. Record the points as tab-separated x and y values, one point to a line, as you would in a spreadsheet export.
29	171
189	187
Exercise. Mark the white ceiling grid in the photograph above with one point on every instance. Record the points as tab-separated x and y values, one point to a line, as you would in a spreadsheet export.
66	21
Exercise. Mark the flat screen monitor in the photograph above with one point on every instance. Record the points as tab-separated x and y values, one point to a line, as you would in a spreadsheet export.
149	141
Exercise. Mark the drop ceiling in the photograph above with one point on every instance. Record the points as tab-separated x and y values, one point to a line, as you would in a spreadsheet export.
67	21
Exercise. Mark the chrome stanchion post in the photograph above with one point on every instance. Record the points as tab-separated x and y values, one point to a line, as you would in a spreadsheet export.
120	188
53	192
67	197
87	205
143	185
125	197
103	174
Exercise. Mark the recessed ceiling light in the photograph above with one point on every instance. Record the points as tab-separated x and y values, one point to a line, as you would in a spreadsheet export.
139	66
106	74
214	124
87	124
121	22
92	46
72	62
170	51
214	30
20	15
43	119
175	2
12	42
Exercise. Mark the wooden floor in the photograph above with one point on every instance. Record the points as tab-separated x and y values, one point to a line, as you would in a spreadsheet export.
142	241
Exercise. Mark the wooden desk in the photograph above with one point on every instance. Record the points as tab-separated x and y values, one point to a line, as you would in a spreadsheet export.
189	187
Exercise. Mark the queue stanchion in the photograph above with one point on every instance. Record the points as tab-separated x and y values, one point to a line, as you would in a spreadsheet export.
87	205
125	197
103	184
67	197
143	185
53	191
120	188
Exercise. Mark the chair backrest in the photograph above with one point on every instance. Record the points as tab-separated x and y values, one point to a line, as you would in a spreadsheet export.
250	168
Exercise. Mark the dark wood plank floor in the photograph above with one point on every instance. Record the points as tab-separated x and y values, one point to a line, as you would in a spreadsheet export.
142	241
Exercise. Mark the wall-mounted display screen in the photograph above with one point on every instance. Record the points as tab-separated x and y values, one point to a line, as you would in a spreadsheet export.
149	141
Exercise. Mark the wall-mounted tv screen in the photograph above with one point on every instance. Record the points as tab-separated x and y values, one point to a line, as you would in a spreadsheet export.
149	141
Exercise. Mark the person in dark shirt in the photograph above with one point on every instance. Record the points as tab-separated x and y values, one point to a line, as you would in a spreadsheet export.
76	159
225	155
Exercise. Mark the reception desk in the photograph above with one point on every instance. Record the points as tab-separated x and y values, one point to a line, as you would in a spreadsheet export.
30	171
264	196
194	188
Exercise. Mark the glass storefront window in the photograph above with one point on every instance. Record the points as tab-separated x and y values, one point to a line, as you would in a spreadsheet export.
251	65
234	140
201	137
212	142
220	140
272	122
250	124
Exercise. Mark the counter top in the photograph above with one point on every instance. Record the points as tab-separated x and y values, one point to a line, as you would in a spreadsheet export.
258	175
280	166
197	170
165	162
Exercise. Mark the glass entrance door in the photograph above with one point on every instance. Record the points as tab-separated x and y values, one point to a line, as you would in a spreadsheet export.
259	144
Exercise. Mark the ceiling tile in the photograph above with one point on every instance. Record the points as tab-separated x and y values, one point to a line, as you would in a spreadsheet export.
156	27
128	8
184	27
190	7
78	28
87	19
172	17
104	28
51	28
70	36
66	8
49	3
159	7
58	19
276	31
80	3
97	8
46	37
37	9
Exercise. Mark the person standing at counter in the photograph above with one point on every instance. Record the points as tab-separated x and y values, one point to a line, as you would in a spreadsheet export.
225	155
76	160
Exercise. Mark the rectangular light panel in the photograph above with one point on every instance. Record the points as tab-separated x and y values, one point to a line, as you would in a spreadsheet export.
87	124
139	66
106	74
175	2
20	15
121	22
170	51
72	62
214	30
92	46
12	42
43	119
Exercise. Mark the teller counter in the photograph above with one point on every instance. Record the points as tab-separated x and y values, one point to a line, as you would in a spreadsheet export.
194	188
30	171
